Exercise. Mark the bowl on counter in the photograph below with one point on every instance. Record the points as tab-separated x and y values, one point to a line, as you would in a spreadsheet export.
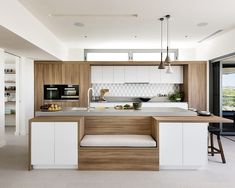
144	99
137	105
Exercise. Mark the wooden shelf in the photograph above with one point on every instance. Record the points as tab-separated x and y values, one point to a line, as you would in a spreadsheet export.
10	102
9	81
10	91
10	114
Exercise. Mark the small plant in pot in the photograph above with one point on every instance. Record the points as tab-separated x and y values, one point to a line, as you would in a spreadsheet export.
177	96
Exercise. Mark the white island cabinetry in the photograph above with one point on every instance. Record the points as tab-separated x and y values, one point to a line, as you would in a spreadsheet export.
183	145
54	144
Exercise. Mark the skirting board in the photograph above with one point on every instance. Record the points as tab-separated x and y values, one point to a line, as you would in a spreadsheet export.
183	167
55	166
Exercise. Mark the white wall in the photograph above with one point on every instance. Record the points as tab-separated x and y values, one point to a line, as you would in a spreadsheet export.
75	54
2	102
216	47
187	54
16	18
26	94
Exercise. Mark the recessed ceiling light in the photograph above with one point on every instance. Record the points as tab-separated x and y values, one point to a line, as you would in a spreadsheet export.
202	24
79	24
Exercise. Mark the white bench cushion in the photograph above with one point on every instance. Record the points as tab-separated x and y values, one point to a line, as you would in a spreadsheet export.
118	141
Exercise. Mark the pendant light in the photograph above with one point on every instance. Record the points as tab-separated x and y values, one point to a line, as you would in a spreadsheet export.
168	60
161	66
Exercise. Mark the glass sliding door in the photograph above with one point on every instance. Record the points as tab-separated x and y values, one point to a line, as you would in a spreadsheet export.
228	96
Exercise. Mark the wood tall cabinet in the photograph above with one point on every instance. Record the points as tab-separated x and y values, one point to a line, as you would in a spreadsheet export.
195	85
61	73
38	85
85	83
70	73
52	73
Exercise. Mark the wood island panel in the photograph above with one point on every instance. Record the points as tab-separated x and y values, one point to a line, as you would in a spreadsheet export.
118	125
118	158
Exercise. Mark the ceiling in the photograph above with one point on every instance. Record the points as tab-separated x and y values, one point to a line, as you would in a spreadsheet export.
106	24
16	45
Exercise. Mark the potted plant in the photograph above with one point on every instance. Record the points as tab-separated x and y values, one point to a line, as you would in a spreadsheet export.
177	96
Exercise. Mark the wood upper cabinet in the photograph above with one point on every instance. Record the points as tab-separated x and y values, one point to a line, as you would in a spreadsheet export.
70	73
61	73
52	73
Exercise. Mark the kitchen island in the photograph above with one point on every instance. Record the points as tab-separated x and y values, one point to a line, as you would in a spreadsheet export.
109	139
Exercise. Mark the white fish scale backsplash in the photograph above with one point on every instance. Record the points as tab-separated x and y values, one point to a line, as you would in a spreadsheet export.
135	90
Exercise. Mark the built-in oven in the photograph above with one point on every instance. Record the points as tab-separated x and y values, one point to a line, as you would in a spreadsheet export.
61	92
70	92
52	92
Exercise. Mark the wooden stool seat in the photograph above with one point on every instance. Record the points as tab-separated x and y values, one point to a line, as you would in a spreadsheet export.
212	149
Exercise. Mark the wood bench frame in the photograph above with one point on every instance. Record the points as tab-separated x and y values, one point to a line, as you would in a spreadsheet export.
118	158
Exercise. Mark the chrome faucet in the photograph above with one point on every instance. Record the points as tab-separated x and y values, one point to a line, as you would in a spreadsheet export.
88	97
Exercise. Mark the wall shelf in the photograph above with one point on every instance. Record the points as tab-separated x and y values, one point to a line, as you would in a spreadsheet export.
10	91
10	115
10	101
10	81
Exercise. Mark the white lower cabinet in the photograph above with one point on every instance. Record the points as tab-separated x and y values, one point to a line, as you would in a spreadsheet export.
42	143
66	143
195	144
170	144
183	145
54	144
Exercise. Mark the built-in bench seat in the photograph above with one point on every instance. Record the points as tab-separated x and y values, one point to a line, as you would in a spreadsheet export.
118	141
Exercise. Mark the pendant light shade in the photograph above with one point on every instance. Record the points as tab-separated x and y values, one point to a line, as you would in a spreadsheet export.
169	69
161	66
168	59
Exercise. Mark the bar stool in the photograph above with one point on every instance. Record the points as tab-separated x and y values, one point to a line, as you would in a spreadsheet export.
212	149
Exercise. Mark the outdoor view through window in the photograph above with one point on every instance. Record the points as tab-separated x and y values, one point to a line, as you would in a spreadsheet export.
228	88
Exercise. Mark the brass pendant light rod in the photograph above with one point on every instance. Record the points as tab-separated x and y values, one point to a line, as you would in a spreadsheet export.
161	66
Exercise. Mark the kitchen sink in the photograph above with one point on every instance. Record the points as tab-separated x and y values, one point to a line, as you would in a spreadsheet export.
82	108
79	108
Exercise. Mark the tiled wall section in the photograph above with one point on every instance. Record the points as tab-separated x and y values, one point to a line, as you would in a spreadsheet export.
135	90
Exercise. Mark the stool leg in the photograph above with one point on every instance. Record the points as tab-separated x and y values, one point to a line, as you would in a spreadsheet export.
221	149
212	144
